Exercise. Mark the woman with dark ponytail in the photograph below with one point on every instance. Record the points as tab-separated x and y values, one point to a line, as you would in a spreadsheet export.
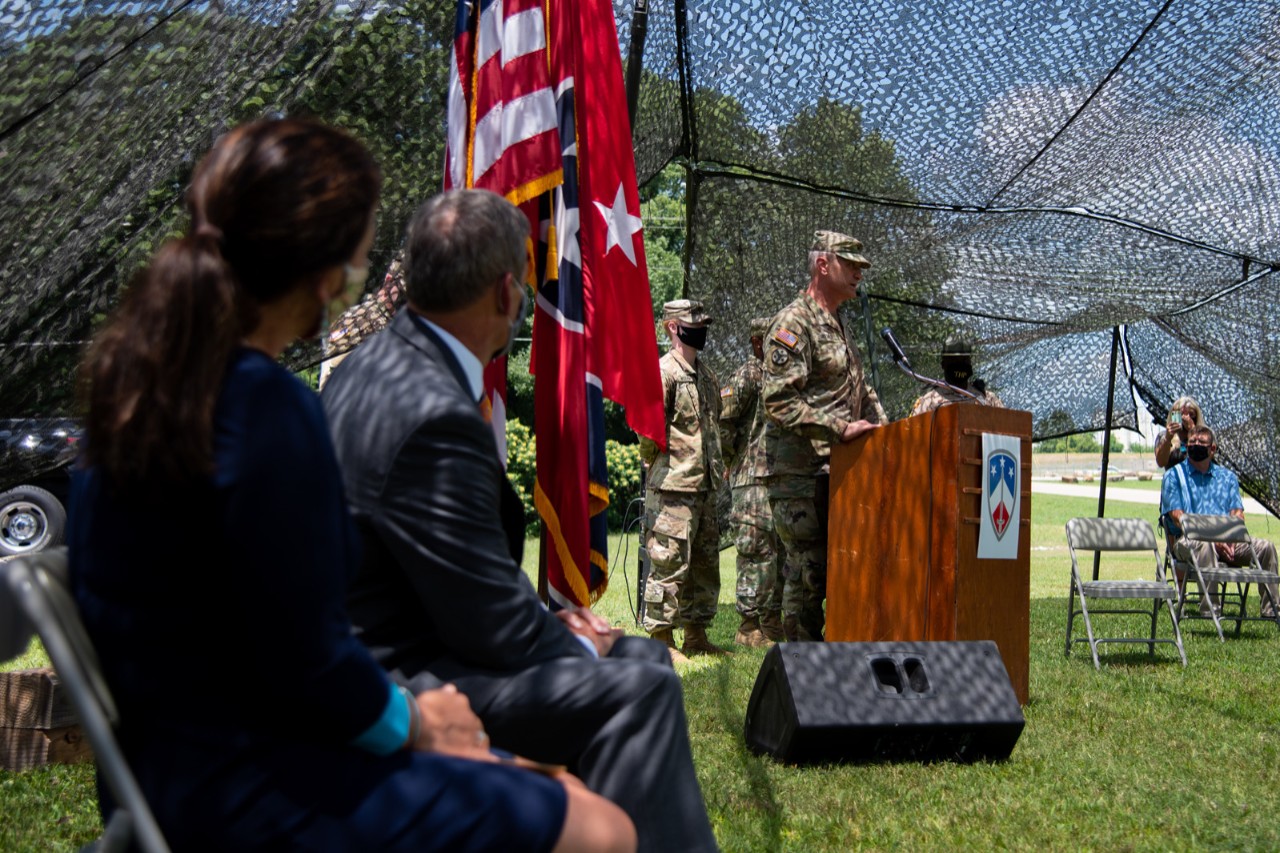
211	548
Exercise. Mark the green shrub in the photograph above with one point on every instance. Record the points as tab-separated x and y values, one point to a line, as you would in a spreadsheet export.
624	474
1078	443
522	470
624	481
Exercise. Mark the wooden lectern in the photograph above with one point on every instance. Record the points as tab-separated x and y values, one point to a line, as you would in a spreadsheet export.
902	552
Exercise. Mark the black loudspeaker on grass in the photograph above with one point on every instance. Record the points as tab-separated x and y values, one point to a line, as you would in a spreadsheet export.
897	701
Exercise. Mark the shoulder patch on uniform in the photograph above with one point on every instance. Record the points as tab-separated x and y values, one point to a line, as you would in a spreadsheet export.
780	357
786	337
726	391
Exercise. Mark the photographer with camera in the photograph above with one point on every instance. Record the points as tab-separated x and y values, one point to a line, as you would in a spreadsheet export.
1171	445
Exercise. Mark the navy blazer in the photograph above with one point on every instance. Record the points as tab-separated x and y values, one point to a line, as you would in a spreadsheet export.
440	588
238	579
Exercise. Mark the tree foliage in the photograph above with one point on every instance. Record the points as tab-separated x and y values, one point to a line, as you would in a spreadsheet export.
385	78
106	144
664	230
748	229
1079	443
624	476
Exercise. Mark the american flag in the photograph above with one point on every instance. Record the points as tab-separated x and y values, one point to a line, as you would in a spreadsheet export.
502	133
537	112
502	110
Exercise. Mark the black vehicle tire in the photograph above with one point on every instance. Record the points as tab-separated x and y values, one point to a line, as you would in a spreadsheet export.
31	519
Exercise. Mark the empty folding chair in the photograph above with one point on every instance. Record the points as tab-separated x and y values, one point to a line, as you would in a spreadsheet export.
1214	578
38	585
1118	534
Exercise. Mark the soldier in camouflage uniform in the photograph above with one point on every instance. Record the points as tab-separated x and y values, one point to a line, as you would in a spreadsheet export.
364	319
957	369
683	539
742	420
814	394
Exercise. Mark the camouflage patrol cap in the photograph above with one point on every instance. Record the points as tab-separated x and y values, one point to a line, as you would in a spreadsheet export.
956	348
841	245
686	312
760	326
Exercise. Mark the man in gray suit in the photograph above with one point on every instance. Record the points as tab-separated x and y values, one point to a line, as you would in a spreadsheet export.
440	596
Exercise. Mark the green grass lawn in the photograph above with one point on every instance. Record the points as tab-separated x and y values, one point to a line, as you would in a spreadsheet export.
1140	756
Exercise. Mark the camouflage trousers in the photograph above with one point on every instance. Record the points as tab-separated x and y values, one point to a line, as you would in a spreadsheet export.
759	565
684	553
801	525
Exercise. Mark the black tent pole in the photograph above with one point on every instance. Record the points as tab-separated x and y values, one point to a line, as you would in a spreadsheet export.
867	326
635	58
1106	438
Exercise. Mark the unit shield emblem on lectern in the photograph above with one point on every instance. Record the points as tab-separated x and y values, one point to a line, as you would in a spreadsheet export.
1002	487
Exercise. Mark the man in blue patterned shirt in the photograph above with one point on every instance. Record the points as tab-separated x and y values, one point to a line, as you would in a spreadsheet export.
1199	485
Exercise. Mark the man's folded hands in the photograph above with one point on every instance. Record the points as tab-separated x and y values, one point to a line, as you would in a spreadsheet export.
589	625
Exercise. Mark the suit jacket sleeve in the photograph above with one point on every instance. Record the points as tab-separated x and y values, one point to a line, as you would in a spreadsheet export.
439	516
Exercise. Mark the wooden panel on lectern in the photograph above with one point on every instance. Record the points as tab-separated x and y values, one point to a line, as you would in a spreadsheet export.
876	587
902	555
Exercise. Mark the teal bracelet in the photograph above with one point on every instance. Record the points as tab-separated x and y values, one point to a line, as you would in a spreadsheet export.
415	718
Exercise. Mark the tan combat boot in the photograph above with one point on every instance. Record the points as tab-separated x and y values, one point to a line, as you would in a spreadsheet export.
696	642
749	634
771	626
665	637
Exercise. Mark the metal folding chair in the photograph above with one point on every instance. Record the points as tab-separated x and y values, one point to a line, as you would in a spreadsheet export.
1215	577
1118	534
1177	572
38	585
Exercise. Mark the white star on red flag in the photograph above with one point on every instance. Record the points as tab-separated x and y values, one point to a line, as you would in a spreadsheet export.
619	220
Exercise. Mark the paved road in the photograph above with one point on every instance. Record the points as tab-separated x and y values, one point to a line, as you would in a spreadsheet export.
1117	492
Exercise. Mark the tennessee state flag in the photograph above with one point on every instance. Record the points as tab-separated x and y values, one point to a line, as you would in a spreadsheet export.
593	332
593	329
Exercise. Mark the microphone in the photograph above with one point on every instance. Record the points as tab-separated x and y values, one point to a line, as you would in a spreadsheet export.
894	347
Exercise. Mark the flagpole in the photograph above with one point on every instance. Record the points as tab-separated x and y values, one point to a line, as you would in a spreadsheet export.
543	591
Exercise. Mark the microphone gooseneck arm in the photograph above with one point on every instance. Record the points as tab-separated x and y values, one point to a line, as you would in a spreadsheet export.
900	359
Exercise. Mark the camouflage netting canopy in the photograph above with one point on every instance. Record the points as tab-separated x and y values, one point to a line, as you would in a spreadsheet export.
1067	183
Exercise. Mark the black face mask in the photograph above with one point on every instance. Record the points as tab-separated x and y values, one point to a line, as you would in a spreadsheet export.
957	371
696	338
516	325
1197	452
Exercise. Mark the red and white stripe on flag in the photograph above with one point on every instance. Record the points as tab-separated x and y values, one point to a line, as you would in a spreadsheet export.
502	133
